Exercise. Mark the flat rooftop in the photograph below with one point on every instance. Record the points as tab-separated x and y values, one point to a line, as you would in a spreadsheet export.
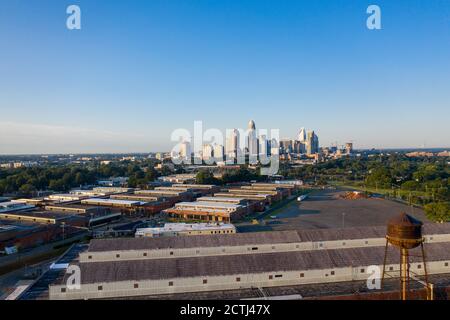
205	204
112	201
66	195
38	214
251	238
242	196
134	197
195	186
11	206
220	199
163	192
97	272
74	206
176	227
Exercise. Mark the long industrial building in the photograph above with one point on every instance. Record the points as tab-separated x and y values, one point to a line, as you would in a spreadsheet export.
113	268
185	229
208	211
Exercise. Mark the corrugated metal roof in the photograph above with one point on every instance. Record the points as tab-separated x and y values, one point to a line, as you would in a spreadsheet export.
94	272
253	238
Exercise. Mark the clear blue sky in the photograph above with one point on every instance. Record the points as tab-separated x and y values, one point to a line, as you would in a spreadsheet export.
137	70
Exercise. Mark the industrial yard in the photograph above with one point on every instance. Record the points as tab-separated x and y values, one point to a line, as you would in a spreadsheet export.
327	209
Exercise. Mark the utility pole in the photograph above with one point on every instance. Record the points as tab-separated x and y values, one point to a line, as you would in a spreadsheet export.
63	224
343	219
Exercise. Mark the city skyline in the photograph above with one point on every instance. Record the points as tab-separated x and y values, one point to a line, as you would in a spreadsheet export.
136	72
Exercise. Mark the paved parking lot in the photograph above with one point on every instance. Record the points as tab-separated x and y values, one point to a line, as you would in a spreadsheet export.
325	209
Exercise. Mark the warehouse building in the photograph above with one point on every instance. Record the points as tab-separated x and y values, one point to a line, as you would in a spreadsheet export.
273	195
293	185
66	197
154	204
112	190
32	202
248	243
179	178
285	192
155	266
88	193
209	211
240	201
77	209
260	200
252	206
177	195
44	217
125	206
89	220
11	206
186	229
203	189
136	197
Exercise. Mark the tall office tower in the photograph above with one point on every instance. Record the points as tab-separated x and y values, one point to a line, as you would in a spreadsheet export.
312	143
232	148
286	146
316	144
185	150
252	140
274	147
302	135
207	152
218	153
302	142
264	146
296	146
349	148
251	125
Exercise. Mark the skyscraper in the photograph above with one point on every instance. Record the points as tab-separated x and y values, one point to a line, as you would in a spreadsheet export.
232	147
252	140
349	148
207	152
218	152
312	143
302	142
302	135
264	146
185	150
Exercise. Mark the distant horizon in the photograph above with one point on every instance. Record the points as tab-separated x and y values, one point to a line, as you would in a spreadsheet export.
432	149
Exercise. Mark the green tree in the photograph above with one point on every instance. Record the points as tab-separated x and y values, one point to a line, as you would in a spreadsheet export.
27	189
438	211
380	178
205	177
410	185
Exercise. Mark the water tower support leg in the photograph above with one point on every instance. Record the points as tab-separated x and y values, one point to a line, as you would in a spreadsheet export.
401	275
429	294
384	263
404	273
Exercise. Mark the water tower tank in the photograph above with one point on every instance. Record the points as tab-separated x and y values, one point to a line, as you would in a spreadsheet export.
404	231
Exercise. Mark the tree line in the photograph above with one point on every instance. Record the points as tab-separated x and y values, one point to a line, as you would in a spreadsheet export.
26	181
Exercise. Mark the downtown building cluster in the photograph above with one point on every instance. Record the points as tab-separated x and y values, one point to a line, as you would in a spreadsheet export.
250	145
